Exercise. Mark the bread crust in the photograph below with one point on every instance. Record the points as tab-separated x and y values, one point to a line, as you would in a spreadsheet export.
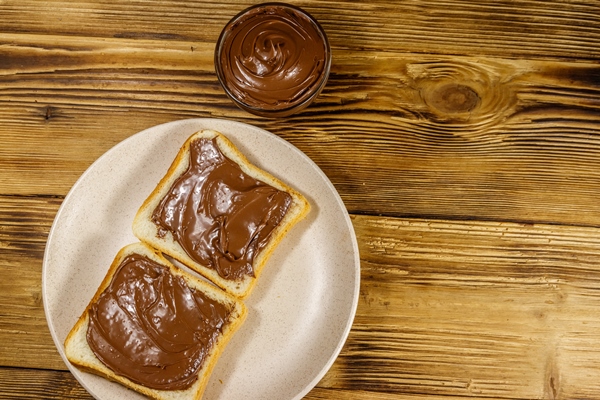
81	355
147	231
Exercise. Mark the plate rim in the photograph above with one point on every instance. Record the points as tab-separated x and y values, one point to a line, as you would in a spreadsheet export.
98	161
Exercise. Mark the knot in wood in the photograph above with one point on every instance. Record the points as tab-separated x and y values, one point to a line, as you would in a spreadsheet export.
453	98
48	113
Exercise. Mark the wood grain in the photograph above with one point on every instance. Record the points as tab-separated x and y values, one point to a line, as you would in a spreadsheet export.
519	29
499	310
438	136
24	336
22	383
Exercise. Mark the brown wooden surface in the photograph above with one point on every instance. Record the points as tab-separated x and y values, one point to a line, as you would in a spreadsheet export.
463	137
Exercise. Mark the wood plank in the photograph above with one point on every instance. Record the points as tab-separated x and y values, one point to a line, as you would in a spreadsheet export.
461	308
341	394
438	136
515	29
466	308
25	340
21	383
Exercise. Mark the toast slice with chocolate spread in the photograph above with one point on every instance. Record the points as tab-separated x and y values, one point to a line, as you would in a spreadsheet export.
153	327
218	214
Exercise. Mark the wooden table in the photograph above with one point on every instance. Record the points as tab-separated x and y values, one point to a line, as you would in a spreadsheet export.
463	137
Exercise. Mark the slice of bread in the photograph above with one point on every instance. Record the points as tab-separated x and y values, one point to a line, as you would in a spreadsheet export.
80	354
149	232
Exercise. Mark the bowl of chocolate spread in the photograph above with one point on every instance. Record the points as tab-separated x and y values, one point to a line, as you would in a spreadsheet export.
273	59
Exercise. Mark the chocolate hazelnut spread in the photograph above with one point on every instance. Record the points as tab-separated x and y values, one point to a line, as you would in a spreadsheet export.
220	216
273	57
151	327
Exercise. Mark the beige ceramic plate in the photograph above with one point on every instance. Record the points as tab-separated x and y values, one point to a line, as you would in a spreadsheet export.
300	311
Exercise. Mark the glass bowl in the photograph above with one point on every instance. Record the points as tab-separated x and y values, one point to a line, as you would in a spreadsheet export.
273	59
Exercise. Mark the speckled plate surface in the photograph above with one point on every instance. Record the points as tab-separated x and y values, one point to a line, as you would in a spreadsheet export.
301	309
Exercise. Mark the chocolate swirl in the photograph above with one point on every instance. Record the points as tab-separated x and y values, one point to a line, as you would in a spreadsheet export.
151	327
273	57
